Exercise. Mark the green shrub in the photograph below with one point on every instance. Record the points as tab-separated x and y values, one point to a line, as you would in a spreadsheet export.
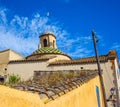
13	79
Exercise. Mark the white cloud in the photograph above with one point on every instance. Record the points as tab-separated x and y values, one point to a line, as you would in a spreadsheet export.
3	18
22	34
116	46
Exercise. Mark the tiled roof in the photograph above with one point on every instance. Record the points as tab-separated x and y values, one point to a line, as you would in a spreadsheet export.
103	58
56	85
29	60
79	61
47	50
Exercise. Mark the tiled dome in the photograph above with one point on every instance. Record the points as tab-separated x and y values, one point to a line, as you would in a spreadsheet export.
48	50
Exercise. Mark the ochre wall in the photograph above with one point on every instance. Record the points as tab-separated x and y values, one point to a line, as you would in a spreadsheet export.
83	96
14	98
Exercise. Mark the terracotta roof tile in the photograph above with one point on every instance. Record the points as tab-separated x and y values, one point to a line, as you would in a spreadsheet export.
53	87
103	58
80	61
29	60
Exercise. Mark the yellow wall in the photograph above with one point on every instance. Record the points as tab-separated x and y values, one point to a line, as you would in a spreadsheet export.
84	96
14	98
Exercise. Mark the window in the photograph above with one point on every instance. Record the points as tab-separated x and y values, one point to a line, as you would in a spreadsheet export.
98	96
45	42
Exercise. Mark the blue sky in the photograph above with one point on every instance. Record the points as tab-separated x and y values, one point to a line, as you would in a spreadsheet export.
22	21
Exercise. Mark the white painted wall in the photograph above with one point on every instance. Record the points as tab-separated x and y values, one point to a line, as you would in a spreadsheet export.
26	69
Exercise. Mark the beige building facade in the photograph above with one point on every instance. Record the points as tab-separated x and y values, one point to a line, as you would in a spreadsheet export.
5	57
48	58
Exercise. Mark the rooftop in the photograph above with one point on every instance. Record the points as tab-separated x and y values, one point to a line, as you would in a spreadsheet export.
52	84
79	61
30	60
103	58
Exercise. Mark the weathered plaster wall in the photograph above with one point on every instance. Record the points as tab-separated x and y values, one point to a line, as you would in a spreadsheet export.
15	56
5	57
83	96
14	98
26	69
117	78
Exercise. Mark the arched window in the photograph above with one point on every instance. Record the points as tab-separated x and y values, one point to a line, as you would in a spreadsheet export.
45	42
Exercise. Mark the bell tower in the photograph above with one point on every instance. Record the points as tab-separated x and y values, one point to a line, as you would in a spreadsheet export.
47	39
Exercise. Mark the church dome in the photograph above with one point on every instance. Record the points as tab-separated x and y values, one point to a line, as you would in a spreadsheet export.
47	50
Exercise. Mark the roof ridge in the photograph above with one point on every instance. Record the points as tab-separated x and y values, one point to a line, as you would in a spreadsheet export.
103	58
